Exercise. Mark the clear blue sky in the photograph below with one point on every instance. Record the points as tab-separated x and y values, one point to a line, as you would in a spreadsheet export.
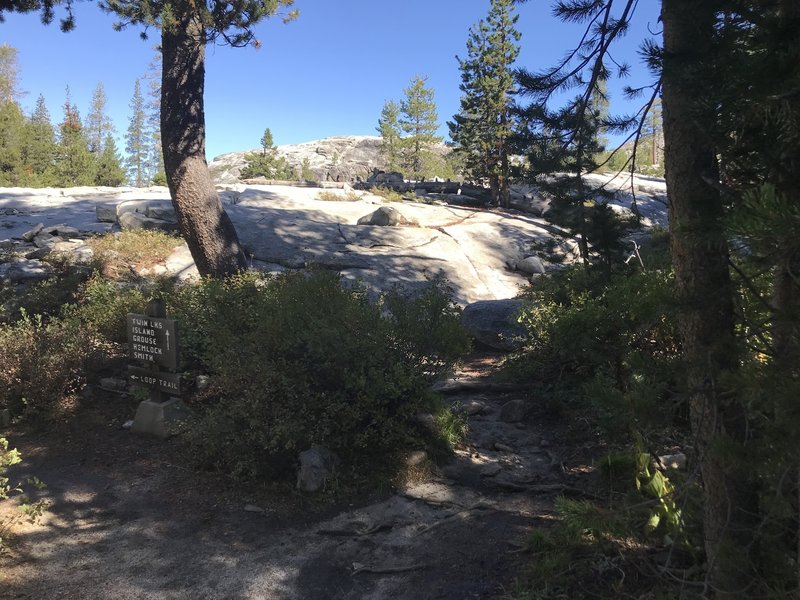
328	73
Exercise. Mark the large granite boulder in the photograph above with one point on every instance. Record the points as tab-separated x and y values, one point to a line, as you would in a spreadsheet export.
386	216
494	323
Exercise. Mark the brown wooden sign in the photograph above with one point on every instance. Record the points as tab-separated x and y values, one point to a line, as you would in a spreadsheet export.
169	383
153	340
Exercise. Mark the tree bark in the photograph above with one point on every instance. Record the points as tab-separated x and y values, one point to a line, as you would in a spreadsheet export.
204	224
704	291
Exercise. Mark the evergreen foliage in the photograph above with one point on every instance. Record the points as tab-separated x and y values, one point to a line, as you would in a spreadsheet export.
75	165
419	122
267	163
39	150
98	124
109	165
137	144
12	130
155	158
482	130
9	74
389	129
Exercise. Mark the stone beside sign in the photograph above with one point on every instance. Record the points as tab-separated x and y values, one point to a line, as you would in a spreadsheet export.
153	340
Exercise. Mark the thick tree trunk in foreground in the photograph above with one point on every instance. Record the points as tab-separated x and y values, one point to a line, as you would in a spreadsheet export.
204	224
703	286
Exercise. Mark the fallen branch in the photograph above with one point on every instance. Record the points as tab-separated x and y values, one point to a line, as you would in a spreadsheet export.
466	511
354	532
387	570
545	488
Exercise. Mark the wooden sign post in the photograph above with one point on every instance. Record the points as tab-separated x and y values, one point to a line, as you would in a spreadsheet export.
153	343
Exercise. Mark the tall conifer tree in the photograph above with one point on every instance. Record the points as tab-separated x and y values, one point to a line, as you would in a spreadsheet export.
74	164
389	128
98	125
136	140
39	150
483	127
186	28
419	121
109	165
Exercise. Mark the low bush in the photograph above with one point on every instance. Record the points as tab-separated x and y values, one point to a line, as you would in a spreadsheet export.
338	196
41	363
300	360
388	194
28	510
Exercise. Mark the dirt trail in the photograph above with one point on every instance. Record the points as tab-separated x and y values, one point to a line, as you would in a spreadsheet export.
127	521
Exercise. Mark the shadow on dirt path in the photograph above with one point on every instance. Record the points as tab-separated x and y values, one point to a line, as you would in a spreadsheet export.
128	521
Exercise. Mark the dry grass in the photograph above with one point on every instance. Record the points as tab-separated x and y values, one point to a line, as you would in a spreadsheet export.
116	254
338	196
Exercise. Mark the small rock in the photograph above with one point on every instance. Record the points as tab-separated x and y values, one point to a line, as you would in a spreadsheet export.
201	382
513	411
473	407
428	421
531	265
254	509
61	230
503	447
39	253
491	470
316	465
106	214
6	244
673	461
25	270
165	213
45	240
29	235
417	457
544	443
113	384
127	424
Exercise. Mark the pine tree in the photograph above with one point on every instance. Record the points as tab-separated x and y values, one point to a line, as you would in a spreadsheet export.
98	125
483	127
419	121
74	163
12	129
155	157
136	142
9	74
186	29
268	163
109	165
389	129
39	150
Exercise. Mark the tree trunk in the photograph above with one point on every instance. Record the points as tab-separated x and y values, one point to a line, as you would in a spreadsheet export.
204	224
705	294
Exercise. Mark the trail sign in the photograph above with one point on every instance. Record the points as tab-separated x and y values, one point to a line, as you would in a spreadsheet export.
169	383
153	340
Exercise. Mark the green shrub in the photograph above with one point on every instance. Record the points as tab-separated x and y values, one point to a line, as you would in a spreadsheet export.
40	363
611	340
102	306
388	194
27	509
300	360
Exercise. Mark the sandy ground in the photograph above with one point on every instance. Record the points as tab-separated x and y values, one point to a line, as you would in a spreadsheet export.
127	519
